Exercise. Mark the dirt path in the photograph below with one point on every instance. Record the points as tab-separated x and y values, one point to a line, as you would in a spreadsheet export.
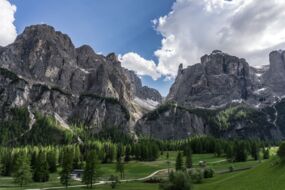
124	180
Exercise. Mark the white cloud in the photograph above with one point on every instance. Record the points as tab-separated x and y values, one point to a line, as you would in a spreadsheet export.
138	64
7	28
245	28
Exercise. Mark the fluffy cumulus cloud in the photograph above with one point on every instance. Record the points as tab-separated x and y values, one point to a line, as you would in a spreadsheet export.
245	28
138	64
7	28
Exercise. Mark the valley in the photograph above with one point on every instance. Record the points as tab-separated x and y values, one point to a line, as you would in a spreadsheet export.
73	118
244	173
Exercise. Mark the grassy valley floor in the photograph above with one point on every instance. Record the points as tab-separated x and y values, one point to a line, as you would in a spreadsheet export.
266	175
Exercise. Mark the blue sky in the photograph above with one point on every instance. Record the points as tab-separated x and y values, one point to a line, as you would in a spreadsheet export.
118	26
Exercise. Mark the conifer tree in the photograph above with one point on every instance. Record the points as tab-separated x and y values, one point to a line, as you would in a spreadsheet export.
91	170
281	152
188	161
120	168
179	162
41	171
128	152
52	160
22	170
67	163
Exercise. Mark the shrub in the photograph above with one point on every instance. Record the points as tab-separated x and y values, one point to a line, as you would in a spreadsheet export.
231	168
208	173
281	152
197	175
153	180
114	181
266	153
177	181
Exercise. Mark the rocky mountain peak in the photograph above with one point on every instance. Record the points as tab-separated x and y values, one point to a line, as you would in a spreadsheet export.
113	58
87	58
218	79
275	77
221	63
44	71
44	36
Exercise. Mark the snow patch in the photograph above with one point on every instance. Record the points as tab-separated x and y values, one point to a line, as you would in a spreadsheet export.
146	103
259	66
83	70
237	101
258	74
260	90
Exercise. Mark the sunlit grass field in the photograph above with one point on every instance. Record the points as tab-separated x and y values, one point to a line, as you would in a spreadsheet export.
263	175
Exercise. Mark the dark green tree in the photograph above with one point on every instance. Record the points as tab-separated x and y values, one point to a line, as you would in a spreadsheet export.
255	150
7	161
230	152
218	149
266	153
179	162
52	160
240	151
120	151
41	171
76	157
91	170
281	152
114	181
168	162
128	153
22	169
67	163
188	162
120	167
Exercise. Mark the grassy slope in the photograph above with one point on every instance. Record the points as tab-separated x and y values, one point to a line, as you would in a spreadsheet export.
135	169
267	176
126	186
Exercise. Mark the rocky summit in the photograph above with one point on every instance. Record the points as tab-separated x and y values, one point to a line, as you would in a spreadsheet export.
44	72
222	96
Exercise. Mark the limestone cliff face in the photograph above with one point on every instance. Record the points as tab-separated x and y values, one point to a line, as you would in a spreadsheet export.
172	123
274	78
221	79
234	100
235	121
43	70
217	80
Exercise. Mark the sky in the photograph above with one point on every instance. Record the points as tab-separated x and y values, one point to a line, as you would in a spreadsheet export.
152	37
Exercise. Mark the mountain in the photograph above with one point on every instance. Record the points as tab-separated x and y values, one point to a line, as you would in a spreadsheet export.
43	72
274	78
50	90
218	80
222	96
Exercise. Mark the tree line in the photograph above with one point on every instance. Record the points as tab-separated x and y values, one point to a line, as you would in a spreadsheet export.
39	162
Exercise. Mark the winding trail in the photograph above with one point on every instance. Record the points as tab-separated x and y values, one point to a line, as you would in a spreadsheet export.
104	182
124	180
